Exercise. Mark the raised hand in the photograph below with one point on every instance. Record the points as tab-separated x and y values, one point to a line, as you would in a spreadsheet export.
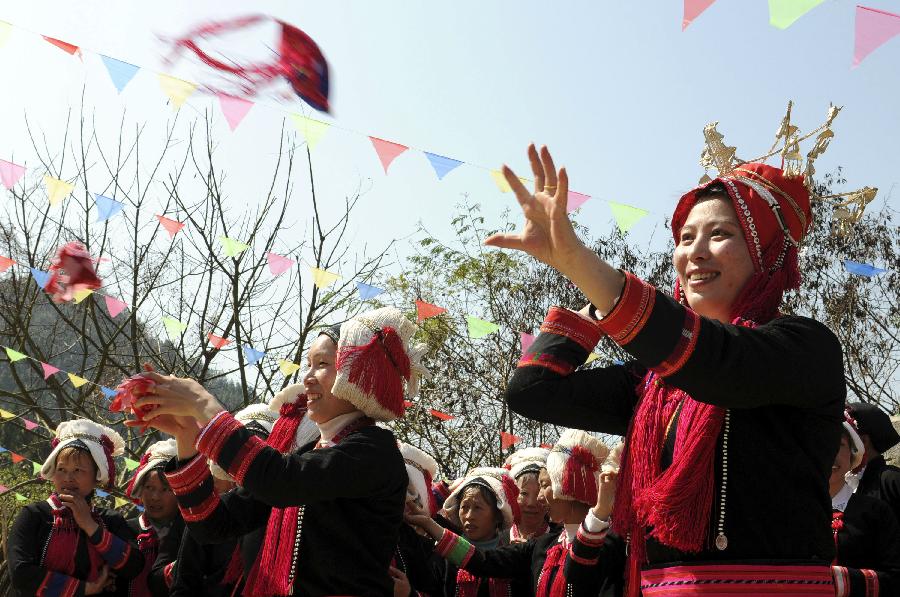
180	397
81	512
416	516
606	494
548	234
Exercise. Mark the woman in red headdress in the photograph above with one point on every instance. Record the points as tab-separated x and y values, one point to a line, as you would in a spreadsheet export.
719	382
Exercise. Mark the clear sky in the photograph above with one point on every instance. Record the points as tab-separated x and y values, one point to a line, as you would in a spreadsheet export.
616	89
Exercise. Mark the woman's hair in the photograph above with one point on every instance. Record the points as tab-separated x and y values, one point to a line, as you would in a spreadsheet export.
160	470
75	452
535	475
714	191
487	495
850	442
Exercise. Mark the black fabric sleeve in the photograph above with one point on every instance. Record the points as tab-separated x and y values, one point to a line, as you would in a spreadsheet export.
24	556
127	565
189	566
592	562
168	553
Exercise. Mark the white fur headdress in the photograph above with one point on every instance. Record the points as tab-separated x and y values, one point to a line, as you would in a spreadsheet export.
156	456
375	361
574	466
421	469
527	460
501	484
858	449
103	443
614	460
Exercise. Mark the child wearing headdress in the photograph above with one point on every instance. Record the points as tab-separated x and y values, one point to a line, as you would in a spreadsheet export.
525	467
63	546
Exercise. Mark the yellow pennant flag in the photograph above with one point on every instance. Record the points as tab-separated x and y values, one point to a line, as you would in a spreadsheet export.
5	30
120	502
626	216
82	294
323	278
232	247
177	90
287	367
21	498
57	189
592	357
783	13
76	381
501	183
14	355
173	327
5	414
312	130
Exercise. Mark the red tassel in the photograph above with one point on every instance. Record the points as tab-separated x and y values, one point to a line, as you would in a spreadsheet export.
110	463
556	558
370	367
235	568
511	492
289	418
579	480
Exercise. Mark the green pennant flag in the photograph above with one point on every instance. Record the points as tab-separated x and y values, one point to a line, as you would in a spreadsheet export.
131	464
783	13
232	247
626	216
173	327
36	468
479	328
21	498
14	355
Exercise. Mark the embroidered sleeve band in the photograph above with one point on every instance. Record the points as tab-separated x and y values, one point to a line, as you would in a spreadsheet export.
58	585
193	486
113	549
454	548
573	326
563	344
227	442
841	581
630	314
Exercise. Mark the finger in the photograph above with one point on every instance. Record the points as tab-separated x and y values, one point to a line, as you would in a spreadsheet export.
536	168
549	169
153	375
149	367
394	572
505	241
522	194
561	199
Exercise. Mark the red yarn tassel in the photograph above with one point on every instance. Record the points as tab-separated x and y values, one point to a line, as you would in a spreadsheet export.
579	479
270	573
511	492
285	428
235	568
370	367
556	559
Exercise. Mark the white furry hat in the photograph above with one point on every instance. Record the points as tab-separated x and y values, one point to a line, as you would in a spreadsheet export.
307	431
375	360
103	443
526	460
156	456
574	466
501	484
421	470
256	417
858	449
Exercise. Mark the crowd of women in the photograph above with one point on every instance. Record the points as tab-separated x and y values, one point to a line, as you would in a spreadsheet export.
742	469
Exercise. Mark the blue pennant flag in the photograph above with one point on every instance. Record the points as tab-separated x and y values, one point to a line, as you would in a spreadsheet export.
862	269
367	291
252	355
101	493
2	449
40	277
442	165
139	508
618	362
120	72
106	207
109	393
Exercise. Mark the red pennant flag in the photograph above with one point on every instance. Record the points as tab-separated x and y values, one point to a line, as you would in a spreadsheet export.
387	151
16	457
425	310
48	370
218	341
692	10
407	404
5	263
442	416
62	45
508	439
171	226
29	425
547	446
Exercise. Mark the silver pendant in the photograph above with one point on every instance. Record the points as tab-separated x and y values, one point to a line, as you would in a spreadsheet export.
721	542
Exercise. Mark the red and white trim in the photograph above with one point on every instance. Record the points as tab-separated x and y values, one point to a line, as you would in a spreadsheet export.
564	322
630	314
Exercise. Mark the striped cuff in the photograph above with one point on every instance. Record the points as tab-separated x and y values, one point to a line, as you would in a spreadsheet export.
113	549
630	314
841	581
454	548
193	486
573	326
189	477
56	584
871	578
210	438
547	361
227	442
574	557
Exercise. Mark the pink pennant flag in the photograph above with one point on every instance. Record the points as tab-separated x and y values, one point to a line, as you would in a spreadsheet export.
48	369
692	10
114	305
171	226
29	425
575	201
278	264
10	173
873	28
526	340
387	151
5	263
234	108
218	341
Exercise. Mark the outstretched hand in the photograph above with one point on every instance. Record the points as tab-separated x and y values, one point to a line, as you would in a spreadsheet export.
548	234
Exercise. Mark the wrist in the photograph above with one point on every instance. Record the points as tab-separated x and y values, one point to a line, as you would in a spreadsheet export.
209	408
602	511
185	444
90	528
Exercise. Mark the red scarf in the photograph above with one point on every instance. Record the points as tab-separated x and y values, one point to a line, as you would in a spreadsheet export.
553	580
467	585
64	539
271	572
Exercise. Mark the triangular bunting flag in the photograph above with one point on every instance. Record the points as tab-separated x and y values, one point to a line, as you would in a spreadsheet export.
5	263
252	355
234	108
288	368
57	189
387	151
279	264
10	173
30	425
5	31
40	277
479	328
176	90
131	464
35	468
575	201
507	440
217	341
82	294
101	493
312	130
618	362
323	278
21	498
526	340
232	247
114	305
63	45
783	13
692	10
873	28
425	310
367	291
3	489
174	328
626	216
120	501
5	414
441	164
500	181
860	269
592	357
106	207
171	226
49	370
547	446
2	449
108	393
76	380
14	355
120	72
17	458
442	416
